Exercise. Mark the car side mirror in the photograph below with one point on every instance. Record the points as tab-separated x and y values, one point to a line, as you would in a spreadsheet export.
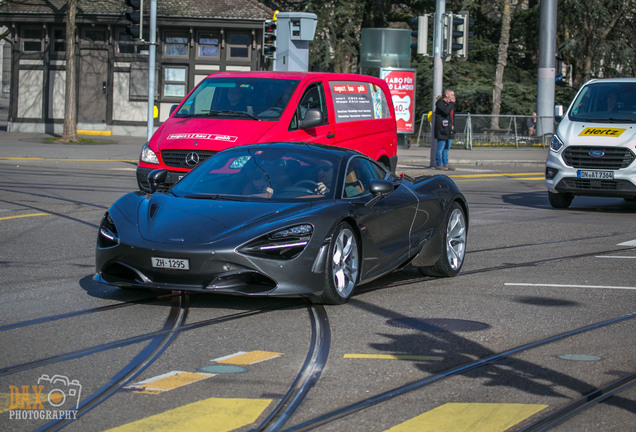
172	108
313	118
558	113
157	178
379	189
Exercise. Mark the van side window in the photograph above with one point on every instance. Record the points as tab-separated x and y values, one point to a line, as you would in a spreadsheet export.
314	97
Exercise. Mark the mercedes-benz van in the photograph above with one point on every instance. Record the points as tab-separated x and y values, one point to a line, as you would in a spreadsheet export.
235	108
594	148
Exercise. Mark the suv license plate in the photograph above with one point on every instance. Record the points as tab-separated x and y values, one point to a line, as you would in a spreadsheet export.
600	175
171	263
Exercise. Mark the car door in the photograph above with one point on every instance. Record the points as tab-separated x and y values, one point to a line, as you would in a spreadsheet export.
386	226
313	97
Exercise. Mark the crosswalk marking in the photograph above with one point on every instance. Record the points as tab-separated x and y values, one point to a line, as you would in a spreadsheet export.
469	417
247	358
211	415
166	382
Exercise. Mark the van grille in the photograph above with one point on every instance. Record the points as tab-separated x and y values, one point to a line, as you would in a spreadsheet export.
613	158
177	158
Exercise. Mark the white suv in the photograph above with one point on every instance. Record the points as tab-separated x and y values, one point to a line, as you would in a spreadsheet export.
594	149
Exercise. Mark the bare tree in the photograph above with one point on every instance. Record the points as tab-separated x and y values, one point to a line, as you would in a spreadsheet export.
502	60
70	100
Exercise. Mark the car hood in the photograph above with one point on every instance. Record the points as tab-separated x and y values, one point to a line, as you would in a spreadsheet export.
592	133
209	134
168	219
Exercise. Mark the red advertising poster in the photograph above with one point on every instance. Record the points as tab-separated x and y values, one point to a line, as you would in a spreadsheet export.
401	83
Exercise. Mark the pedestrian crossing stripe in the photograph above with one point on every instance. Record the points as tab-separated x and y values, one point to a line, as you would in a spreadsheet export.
211	415
247	358
166	382
469	417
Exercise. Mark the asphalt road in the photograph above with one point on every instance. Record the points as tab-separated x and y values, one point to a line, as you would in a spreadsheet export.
539	321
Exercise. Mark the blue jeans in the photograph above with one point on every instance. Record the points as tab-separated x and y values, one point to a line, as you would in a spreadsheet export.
441	157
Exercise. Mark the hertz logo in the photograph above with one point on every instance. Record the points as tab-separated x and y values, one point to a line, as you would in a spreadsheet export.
602	132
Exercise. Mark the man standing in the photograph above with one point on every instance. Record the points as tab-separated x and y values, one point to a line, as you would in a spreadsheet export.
444	129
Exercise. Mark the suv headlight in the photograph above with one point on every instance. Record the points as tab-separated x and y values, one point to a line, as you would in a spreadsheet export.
555	143
148	156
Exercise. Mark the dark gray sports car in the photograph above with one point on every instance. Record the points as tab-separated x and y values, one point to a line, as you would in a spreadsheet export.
283	219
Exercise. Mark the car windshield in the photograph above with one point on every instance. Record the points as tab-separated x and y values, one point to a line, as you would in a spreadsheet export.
261	174
245	98
606	102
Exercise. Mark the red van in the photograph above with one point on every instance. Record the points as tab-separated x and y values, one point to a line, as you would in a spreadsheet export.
227	109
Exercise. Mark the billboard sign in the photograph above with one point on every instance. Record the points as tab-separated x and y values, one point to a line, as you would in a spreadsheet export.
401	83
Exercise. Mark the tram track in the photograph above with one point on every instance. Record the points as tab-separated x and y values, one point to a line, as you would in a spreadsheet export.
343	412
159	343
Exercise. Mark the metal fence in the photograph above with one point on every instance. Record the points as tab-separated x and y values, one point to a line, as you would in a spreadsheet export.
476	130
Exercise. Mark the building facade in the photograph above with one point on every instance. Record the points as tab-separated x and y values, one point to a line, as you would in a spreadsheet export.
194	38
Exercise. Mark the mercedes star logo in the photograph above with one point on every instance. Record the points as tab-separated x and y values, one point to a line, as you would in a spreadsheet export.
192	159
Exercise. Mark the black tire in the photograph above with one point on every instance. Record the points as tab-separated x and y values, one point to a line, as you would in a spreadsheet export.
453	245
560	200
342	269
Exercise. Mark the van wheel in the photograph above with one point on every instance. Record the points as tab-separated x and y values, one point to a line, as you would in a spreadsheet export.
560	200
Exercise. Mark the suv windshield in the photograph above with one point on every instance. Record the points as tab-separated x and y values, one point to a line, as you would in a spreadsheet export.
253	98
611	102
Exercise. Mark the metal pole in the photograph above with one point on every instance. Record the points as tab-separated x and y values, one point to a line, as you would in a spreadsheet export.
547	52
151	69
438	65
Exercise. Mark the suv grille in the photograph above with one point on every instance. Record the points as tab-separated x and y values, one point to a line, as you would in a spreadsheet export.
177	158
614	157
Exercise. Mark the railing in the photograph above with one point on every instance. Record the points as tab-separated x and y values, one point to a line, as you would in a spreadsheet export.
476	130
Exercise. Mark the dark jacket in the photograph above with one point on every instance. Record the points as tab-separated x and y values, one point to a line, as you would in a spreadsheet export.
444	120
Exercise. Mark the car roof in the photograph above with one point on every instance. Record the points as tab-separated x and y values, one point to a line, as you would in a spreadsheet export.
296	75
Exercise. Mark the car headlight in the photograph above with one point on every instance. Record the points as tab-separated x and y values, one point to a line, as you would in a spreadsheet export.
555	143
283	244
148	156
108	236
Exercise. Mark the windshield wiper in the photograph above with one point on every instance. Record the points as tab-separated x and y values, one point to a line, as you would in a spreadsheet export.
218	197
232	113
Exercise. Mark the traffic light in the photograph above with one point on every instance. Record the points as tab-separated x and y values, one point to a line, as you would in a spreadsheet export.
269	39
134	16
460	34
421	34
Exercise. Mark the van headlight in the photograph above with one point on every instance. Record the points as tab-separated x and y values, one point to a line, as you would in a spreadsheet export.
148	156
555	143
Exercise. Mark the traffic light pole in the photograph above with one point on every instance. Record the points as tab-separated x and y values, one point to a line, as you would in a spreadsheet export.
151	68
438	65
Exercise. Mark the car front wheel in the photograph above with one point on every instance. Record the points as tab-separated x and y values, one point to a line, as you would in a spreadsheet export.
453	245
342	266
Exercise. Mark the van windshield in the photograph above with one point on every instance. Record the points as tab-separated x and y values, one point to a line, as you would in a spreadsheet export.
606	102
245	98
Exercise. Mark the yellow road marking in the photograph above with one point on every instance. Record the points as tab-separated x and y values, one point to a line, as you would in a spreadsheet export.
24	215
469	417
212	415
247	358
94	132
392	357
166	382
